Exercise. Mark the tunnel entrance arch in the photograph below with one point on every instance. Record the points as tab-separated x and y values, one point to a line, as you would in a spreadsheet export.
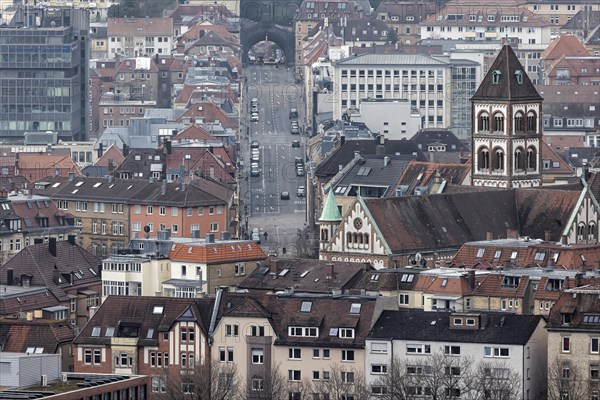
254	32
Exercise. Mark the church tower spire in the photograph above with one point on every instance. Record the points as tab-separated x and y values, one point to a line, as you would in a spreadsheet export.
506	127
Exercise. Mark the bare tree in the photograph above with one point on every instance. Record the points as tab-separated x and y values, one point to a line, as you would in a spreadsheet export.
272	385
565	380
495	381
396	382
342	383
212	380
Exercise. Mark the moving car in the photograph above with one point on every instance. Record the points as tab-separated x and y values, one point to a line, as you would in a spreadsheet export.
295	143
301	191
293	113
285	195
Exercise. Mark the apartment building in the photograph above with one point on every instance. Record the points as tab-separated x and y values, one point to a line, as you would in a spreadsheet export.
480	22
423	81
134	275
573	344
139	37
442	353
405	18
559	12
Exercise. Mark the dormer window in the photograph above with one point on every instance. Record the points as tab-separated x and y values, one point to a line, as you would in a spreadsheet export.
496	77
566	318
519	76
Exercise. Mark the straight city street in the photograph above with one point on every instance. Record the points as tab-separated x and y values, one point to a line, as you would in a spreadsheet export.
277	219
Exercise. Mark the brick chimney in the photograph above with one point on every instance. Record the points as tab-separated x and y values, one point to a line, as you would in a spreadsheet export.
512	234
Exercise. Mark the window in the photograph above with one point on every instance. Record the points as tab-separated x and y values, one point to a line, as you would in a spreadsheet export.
496	351
294	375
347	377
594	372
232	330
403	299
326	355
347	355
295	354
87	356
566	344
225	354
379	369
162	210
256	330
258	384
594	345
257	356
480	253
316	353
418	349
496	77
452	350
347	333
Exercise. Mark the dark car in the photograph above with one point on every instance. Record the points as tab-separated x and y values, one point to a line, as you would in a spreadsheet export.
293	113
295	143
285	195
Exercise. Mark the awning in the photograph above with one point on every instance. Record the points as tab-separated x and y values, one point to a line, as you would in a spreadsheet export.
445	297
88	292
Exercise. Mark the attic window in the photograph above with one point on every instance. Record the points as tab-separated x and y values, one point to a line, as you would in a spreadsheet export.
79	184
190	250
284	272
302	275
591	319
93	272
129	187
355	308
363	171
444	282
158	310
374	277
97	184
513	255
555	257
333	331
539	256
96	331
480	253
582	257
138	157
519	76
496	77
306	306
75	191
110	331
150	333
57	184
497	254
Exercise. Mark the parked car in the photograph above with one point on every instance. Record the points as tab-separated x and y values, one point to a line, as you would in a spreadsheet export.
300	171
301	191
254	109
299	161
254	118
254	144
285	195
295	143
293	113
254	170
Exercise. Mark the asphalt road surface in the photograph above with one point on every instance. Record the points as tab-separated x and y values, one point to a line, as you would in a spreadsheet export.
263	207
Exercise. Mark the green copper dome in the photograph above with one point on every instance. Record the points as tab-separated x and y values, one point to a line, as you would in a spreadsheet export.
330	213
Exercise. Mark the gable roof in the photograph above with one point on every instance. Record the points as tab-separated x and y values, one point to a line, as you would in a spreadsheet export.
35	166
194	133
426	137
508	88
564	45
53	271
419	173
413	324
145	314
218	252
111	154
19	335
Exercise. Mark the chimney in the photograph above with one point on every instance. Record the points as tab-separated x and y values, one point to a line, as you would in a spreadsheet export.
52	246
356	154
209	238
273	266
125	150
381	140
168	146
71	239
547	236
9	277
471	279
71	176
332	270
225	235
489	235
386	161
564	240
111	165
100	150
211	149
512	234
163	189
577	279
56	275
342	139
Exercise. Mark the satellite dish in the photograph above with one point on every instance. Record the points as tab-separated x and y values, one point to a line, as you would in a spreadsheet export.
418	257
423	262
146	229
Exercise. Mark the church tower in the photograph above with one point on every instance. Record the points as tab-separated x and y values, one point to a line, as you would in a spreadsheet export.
329	220
506	127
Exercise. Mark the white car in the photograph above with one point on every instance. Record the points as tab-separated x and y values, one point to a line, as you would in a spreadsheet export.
254	117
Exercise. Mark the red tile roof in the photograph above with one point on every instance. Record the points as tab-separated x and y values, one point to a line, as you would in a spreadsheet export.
140	27
217	253
112	153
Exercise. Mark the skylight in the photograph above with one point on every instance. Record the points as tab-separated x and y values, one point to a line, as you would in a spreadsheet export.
284	272
75	191
302	275
158	309
363	171
79	184
97	184
96	331
57	184
150	333
110	331
355	308
375	277
306	306
444	282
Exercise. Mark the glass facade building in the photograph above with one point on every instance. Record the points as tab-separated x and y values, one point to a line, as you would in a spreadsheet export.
44	74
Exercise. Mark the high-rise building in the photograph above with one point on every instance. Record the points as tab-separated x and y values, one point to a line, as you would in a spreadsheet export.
44	73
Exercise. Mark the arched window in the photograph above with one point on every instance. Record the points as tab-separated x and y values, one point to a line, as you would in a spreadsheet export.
581	231
531	159
366	239
348	237
519	159
484	122
324	234
531	122
591	231
498	122
498	160
483	159
519	122
355	238
360	238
